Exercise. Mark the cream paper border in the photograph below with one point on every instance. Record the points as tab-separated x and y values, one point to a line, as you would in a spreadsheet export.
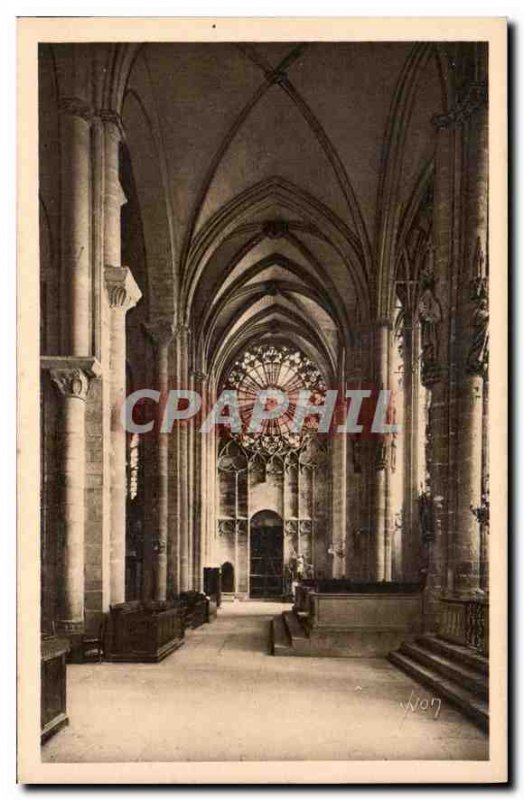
31	31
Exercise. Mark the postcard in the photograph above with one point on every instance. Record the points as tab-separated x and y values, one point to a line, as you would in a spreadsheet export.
262	400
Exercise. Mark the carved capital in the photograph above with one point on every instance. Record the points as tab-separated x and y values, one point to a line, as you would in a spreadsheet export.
75	107
159	546
226	527
475	97
182	331
431	373
160	331
71	375
112	121
71	382
122	289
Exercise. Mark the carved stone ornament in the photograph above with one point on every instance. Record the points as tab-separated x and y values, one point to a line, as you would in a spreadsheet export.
356	457
284	369
226	527
426	517
183	332
232	458
113	119
161	331
71	382
122	289
337	549
76	107
477	358
275	228
381	454
475	97
71	375
481	512
393	451
430	318
159	546
306	527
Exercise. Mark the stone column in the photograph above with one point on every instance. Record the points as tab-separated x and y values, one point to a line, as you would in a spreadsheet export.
114	197
381	523
71	373
183	464
75	230
436	314
201	489
123	294
161	332
209	499
71	376
339	493
462	162
410	542
473	325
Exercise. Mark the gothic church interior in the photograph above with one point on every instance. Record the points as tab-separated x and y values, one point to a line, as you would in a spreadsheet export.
241	216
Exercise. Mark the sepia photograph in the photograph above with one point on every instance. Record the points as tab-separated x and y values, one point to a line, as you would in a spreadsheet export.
263	476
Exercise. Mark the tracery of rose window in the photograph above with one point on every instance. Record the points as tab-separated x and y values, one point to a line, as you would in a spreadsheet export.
287	369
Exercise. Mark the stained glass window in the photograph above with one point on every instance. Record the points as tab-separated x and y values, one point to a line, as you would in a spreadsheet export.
279	367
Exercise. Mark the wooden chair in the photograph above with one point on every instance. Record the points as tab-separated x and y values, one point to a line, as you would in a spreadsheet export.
93	646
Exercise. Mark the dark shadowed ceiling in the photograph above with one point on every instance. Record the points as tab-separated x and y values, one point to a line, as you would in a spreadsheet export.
272	179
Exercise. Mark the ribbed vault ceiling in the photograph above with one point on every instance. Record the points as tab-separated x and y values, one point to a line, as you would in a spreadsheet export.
261	170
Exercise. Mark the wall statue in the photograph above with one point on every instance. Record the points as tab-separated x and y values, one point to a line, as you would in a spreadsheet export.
425	514
356	455
430	317
477	358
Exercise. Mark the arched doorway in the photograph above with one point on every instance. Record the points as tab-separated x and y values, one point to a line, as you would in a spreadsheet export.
228	577
266	563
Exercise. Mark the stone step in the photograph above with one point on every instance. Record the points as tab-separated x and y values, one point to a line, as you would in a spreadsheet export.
294	626
279	641
299	638
456	652
448	668
469	703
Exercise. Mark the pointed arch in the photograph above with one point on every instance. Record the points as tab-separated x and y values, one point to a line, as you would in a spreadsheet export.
388	196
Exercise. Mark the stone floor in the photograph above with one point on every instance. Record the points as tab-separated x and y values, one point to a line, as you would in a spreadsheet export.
221	697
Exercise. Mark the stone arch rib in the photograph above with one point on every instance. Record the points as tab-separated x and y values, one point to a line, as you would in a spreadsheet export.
278	190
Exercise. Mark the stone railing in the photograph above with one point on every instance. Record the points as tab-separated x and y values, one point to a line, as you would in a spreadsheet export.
477	625
465	622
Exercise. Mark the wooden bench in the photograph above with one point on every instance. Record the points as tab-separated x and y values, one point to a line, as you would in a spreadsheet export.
195	607
53	683
143	632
